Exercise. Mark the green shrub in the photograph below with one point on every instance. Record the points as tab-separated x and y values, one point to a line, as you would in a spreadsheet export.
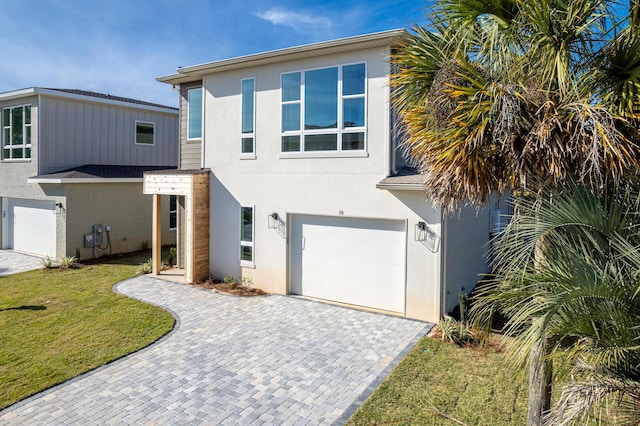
146	267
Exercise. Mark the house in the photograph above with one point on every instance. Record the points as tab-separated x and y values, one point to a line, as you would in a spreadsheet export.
290	178
71	170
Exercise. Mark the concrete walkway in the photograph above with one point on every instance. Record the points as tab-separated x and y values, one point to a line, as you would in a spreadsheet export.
12	262
237	361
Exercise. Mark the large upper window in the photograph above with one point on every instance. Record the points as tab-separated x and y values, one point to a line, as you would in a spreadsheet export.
324	109
248	116
16	132
194	113
144	133
246	235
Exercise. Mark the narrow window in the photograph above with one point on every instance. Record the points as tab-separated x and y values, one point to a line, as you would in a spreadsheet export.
145	133
194	113
248	116
173	211
16	133
246	235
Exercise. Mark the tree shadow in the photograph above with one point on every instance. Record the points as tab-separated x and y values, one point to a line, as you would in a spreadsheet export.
25	308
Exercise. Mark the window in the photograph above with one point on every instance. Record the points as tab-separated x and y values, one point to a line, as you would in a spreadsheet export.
248	116
173	211
324	110
246	235
144	133
194	114
16	133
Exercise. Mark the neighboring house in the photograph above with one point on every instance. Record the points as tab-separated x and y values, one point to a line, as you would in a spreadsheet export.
73	159
297	150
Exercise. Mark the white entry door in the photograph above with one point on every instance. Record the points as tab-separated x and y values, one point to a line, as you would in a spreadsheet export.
350	260
31	226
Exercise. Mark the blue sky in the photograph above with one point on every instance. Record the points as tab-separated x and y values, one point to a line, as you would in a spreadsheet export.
121	46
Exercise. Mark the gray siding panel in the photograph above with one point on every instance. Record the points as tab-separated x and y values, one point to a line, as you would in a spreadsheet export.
190	151
78	133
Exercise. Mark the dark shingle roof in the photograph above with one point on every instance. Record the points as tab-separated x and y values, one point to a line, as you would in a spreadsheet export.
104	171
110	97
407	177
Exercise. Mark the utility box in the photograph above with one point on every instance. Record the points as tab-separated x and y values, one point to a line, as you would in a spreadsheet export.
94	239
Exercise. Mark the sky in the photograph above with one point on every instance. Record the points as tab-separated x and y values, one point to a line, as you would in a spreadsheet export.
120	47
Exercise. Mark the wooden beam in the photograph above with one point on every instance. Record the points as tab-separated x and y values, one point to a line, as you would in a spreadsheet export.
156	244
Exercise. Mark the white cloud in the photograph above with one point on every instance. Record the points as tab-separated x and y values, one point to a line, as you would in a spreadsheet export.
301	22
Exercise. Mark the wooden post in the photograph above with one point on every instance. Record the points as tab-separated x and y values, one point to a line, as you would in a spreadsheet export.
156	243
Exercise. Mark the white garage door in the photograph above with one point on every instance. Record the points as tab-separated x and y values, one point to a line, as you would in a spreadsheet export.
349	260
30	226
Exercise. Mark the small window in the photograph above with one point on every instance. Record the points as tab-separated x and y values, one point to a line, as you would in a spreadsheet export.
173	211
246	235
194	113
144	133
247	145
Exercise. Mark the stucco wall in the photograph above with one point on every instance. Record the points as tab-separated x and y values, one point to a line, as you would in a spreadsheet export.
120	205
466	244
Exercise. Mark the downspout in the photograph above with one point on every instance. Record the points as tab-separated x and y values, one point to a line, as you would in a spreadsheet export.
204	114
443	263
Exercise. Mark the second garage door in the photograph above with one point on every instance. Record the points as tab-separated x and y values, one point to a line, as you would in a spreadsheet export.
349	260
30	226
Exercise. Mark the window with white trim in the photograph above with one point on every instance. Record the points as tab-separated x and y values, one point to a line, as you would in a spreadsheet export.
246	235
16	133
173	212
324	110
194	113
248	88
145	134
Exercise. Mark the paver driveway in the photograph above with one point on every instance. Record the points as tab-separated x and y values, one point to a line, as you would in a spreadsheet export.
261	360
12	262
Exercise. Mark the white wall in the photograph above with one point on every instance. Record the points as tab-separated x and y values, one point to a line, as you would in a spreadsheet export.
332	186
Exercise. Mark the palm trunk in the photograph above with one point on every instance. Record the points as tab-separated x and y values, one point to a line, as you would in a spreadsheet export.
540	368
540	374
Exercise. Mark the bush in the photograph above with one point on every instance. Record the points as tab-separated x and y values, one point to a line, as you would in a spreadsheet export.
146	267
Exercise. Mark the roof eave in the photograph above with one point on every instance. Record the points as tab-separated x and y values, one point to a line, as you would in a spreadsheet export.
196	72
41	180
401	186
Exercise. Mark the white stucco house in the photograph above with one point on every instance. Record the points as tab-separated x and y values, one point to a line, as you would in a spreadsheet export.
304	190
71	168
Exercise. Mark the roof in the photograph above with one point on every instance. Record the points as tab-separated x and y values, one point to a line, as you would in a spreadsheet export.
349	44
97	173
406	178
86	95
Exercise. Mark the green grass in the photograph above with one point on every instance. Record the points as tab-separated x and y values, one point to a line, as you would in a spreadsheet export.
439	382
55	325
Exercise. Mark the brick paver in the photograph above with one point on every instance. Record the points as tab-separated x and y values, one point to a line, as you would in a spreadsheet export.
230	360
12	262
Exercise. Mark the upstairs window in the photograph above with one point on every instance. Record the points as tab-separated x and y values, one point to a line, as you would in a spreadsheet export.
324	110
194	113
247	145
16	133
145	133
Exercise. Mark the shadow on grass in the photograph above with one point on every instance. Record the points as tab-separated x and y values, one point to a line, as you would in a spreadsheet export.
132	258
25	308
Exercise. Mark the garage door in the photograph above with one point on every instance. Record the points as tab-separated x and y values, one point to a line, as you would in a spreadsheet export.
349	260
30	226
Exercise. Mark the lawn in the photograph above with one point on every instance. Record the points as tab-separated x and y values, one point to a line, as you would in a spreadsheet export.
444	384
55	325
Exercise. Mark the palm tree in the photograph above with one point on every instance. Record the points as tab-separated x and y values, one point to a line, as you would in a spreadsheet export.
497	92
501	94
584	294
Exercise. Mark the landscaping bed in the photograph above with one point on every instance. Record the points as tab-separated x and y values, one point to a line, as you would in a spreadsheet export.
232	288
